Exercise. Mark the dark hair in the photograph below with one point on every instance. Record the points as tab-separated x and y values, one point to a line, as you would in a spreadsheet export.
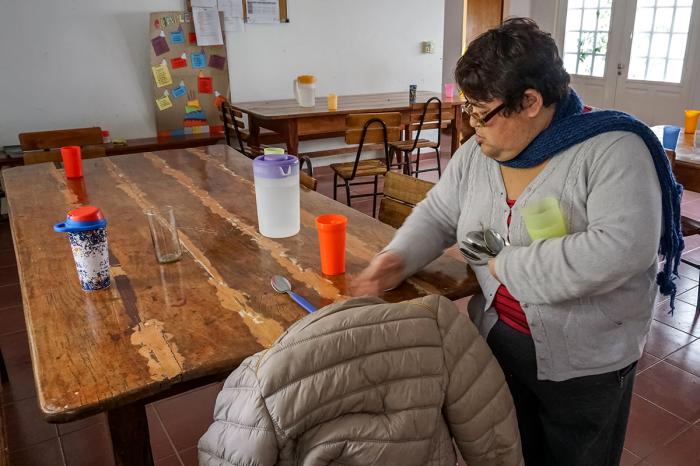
504	62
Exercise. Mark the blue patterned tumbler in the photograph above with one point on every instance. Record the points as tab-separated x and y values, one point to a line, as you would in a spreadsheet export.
87	233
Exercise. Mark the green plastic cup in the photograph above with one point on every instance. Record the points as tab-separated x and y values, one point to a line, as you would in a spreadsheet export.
543	219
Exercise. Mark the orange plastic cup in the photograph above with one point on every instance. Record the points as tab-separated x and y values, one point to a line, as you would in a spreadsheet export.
72	161
691	121
331	239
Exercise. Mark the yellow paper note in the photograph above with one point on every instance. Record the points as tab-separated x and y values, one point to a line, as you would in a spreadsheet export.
161	73
194	103
164	103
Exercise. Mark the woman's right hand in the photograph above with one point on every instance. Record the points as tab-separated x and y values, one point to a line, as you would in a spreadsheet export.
383	273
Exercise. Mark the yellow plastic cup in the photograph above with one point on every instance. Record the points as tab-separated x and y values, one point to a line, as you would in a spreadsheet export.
543	219
691	121
332	102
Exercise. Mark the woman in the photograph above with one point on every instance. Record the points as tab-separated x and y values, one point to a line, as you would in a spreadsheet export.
567	317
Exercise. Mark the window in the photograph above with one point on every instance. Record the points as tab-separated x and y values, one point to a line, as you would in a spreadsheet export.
659	40
586	39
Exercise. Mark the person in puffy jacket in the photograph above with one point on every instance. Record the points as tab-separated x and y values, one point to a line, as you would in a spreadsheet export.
366	382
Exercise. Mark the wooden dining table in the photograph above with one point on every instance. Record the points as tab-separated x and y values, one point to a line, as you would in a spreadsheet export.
292	121
162	329
687	163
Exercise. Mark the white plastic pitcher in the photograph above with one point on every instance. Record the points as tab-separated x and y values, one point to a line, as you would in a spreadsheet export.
305	90
277	194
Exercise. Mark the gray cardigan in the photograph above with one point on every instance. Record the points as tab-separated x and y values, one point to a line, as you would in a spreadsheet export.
588	296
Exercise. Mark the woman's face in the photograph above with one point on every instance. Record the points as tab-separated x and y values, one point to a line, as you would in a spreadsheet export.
502	138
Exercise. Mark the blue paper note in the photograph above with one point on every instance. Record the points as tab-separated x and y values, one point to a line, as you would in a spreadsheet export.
177	37
179	91
198	60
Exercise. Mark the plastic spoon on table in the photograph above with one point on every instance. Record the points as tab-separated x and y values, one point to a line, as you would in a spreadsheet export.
282	285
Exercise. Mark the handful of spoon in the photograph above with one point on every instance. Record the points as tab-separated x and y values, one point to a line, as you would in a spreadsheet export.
480	246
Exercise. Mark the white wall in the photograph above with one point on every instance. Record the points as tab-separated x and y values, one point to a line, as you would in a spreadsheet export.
72	63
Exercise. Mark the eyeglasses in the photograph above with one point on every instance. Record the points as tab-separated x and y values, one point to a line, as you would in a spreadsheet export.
482	120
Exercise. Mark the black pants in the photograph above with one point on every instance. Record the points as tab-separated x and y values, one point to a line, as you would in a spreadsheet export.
577	422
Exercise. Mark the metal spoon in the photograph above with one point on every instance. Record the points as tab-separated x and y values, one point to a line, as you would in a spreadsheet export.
472	258
282	285
475	241
494	241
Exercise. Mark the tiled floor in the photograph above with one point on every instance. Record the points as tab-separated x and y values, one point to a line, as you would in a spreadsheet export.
664	428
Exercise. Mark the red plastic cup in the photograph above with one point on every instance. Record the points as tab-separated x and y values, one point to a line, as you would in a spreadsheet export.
331	239
72	161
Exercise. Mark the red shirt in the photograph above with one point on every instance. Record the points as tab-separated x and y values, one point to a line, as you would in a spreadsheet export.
507	307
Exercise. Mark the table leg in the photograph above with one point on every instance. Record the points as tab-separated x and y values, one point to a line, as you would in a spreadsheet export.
456	129
131	443
254	141
292	137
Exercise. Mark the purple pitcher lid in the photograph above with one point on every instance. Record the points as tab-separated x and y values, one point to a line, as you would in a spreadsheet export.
275	166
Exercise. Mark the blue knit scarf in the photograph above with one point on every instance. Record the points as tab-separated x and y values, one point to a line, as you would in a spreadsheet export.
571	126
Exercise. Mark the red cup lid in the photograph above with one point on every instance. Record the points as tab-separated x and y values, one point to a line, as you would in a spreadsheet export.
105	133
86	213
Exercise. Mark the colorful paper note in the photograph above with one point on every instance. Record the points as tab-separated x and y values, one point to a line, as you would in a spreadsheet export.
217	61
218	99
164	102
179	62
161	74
177	37
205	84
198	60
160	45
180	90
192	38
194	103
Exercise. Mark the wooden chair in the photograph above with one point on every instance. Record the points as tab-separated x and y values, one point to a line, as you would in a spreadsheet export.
235	128
425	116
364	128
42	146
42	156
401	194
307	178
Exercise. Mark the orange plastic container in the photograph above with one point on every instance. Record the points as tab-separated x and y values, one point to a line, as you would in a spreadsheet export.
72	161
331	239
691	121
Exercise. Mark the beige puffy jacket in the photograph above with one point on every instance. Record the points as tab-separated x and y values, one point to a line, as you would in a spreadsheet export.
365	382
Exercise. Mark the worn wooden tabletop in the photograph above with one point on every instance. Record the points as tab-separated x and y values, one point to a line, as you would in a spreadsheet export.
383	102
161	325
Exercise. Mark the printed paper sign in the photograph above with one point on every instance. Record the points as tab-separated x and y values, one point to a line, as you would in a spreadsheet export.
205	84
177	37
164	102
217	61
199	60
160	45
180	90
161	74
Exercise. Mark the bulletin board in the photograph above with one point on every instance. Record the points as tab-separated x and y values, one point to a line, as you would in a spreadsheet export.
189	81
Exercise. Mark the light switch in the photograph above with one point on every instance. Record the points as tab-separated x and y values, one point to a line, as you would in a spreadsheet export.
428	46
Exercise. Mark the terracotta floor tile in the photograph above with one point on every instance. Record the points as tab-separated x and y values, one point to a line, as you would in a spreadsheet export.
160	444
691	196
188	416
68	427
687	271
21	385
691	209
684	317
646	361
169	461
687	358
46	453
8	275
11	320
682	451
664	340
629	458
690	296
15	348
189	457
25	425
671	388
650	427
88	447
10	295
